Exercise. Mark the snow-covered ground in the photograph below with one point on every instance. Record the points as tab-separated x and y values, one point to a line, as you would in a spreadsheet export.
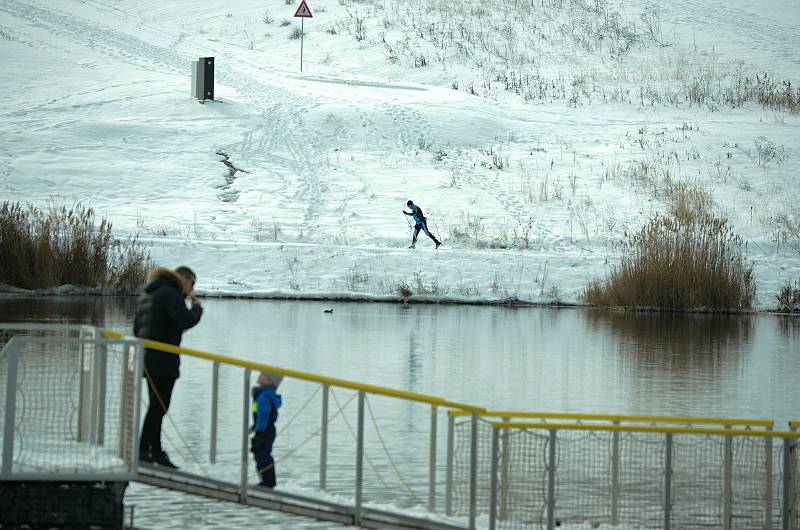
543	127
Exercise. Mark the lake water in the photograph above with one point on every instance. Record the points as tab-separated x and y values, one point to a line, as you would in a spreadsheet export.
541	359
534	359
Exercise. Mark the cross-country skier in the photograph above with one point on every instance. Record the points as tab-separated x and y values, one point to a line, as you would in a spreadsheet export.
421	224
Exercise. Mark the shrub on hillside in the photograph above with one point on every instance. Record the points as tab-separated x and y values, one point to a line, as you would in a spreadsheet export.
58	246
679	263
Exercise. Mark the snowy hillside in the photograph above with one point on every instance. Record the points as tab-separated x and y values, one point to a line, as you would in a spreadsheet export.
534	134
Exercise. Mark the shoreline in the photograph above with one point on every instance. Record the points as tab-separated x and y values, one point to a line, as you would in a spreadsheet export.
509	302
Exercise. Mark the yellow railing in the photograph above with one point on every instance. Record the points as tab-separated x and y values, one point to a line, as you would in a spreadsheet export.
305	376
435	402
646	428
462	484
691	420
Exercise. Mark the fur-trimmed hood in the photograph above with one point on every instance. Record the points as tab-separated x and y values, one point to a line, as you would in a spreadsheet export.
161	275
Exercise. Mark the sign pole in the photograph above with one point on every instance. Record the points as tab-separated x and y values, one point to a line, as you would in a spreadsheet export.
302	13
302	34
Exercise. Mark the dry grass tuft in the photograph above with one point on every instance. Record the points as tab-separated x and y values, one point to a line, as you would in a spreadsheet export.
689	262
58	246
789	297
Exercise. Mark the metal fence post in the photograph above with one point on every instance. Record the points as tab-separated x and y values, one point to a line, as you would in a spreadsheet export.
11	403
212	446
504	479
551	482
792	484
359	460
323	440
668	482
432	462
493	478
768	481
789	485
94	421
615	476
136	365
128	447
84	390
245	437
101	350
473	470
727	477
448	484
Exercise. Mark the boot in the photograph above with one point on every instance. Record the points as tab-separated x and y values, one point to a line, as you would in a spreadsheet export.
413	243
161	458
438	243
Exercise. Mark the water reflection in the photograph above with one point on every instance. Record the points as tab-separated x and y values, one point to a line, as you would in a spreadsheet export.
675	342
95	310
789	326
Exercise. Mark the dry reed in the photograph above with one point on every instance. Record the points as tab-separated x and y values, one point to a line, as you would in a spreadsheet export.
688	262
59	246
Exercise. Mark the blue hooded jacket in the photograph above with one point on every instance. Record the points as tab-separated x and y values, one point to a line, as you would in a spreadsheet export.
416	213
266	402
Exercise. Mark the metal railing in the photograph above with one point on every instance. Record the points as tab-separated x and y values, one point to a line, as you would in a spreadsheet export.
519	469
653	472
356	462
70	402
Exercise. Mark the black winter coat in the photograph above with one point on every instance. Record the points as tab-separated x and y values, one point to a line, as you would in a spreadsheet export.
161	315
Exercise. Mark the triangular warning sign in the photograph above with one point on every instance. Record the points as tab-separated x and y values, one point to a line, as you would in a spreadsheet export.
303	11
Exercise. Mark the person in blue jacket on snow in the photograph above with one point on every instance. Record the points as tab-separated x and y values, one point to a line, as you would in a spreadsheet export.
266	402
420	224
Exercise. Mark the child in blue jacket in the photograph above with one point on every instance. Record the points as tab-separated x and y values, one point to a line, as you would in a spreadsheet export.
266	402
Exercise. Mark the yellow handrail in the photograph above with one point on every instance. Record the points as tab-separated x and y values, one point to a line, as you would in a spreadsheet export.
460	409
305	376
619	418
644	428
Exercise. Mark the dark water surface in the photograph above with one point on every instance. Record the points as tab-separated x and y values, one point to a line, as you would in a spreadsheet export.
541	359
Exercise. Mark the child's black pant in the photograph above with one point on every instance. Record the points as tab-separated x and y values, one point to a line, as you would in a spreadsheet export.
265	464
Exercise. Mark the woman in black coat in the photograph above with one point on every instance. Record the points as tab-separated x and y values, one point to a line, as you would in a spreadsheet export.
162	315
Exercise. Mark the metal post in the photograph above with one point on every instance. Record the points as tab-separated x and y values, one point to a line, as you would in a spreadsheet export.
473	470
788	510
126	400
668	483
432	462
302	35
102	349
245	437
136	365
504	479
448	483
727	477
323	441
85	390
212	447
615	476
792	484
768	479
11	403
130	409
95	395
551	482
359	460
493	479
